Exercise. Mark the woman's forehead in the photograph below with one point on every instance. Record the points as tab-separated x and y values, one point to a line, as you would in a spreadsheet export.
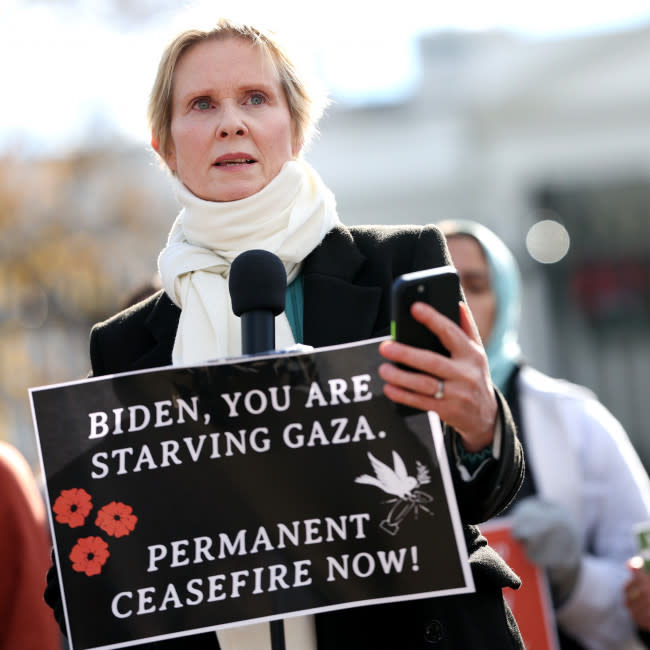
230	60
466	251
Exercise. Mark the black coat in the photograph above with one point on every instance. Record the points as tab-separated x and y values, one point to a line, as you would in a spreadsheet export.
347	282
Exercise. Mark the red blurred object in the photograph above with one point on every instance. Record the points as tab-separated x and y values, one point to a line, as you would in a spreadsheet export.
612	291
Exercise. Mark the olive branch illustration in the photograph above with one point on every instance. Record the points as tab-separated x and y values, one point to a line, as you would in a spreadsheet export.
407	497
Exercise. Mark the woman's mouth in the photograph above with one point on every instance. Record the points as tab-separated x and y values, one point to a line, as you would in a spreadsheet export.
232	162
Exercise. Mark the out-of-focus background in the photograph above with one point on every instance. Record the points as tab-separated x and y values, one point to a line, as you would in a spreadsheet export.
534	121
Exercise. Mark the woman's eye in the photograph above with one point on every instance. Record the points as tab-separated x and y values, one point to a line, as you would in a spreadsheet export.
256	99
477	288
202	104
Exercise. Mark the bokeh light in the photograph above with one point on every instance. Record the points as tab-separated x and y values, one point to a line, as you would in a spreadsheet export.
548	241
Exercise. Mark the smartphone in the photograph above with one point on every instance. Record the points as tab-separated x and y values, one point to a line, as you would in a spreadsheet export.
439	287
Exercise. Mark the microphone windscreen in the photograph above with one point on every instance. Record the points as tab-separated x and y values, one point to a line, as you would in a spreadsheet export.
258	281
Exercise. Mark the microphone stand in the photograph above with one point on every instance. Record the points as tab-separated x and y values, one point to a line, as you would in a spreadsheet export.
258	328
277	635
256	340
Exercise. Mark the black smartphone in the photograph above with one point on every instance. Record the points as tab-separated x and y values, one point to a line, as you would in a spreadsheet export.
439	287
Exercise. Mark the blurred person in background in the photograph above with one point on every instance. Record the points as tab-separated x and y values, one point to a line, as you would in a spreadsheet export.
26	622
230	116
585	485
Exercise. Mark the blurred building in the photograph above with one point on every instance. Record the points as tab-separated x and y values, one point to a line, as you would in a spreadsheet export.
507	131
511	133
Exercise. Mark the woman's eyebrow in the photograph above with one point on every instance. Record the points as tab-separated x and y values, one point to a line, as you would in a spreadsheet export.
209	90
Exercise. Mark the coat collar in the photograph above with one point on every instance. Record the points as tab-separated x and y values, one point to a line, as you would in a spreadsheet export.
336	310
162	322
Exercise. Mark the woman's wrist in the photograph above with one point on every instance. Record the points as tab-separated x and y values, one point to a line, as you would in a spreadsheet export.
476	443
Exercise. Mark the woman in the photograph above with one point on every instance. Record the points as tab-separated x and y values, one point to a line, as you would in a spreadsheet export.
229	117
585	486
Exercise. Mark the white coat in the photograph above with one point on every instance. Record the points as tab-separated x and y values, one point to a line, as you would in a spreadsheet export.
582	458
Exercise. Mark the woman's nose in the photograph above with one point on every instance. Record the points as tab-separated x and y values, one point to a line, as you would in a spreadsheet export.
231	123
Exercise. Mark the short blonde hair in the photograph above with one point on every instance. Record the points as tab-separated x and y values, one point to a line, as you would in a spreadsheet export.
304	108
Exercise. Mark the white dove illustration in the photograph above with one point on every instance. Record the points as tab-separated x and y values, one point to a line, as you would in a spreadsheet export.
394	481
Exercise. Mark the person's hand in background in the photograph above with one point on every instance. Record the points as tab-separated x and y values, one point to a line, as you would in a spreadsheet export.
551	540
637	593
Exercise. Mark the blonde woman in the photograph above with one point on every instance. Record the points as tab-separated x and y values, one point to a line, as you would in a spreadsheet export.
230	117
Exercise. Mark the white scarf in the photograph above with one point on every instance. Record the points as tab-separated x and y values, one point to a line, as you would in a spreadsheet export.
288	217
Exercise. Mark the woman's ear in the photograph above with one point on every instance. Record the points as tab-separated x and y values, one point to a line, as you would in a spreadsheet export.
170	158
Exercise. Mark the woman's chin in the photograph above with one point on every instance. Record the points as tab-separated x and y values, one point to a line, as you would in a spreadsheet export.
228	192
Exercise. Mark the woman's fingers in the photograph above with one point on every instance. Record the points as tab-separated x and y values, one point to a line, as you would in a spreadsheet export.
418	383
416	359
467	323
465	399
450	334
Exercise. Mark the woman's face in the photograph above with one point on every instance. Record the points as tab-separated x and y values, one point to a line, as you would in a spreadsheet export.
231	130
474	272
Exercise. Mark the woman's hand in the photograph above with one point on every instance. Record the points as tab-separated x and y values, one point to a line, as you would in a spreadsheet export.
637	594
465	399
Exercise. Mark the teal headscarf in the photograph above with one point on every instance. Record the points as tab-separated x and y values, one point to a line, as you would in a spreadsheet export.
502	347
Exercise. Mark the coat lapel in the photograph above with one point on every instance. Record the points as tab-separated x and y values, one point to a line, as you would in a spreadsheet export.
162	322
336	310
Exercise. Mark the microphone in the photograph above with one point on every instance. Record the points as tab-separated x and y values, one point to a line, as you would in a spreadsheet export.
257	285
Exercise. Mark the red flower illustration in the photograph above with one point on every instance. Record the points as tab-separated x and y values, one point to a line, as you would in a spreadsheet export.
89	555
72	507
116	519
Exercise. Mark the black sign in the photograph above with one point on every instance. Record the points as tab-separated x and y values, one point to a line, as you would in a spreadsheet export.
191	498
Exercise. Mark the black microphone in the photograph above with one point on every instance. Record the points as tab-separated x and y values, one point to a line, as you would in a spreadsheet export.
258	286
258	289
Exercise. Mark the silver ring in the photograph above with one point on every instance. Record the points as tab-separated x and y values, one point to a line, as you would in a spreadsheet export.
440	393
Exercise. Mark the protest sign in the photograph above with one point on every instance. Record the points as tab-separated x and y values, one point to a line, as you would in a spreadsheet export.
531	604
184	499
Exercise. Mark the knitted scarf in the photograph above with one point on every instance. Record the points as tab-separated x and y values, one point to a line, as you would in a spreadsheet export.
288	217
